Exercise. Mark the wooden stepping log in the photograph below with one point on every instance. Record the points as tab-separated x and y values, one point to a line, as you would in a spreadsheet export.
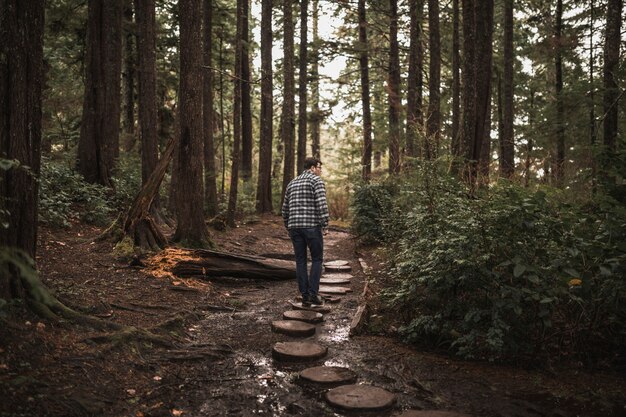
344	275
293	328
338	268
431	413
331	298
298	351
334	290
360	398
319	309
336	263
303	315
328	375
334	281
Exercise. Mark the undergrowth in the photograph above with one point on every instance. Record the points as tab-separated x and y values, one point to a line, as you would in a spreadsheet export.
511	273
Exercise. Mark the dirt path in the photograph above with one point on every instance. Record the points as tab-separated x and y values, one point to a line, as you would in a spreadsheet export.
225	365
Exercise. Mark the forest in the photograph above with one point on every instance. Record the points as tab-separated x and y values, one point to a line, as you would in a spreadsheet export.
475	167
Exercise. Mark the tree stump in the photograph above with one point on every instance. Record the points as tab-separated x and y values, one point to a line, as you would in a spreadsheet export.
328	375
360	398
298	351
304	315
293	328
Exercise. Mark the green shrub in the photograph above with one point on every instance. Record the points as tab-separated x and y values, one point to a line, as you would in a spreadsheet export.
510	274
64	196
371	207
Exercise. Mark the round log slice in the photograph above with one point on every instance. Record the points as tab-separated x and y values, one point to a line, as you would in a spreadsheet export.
328	375
320	309
331	299
334	281
306	316
431	413
298	351
336	263
344	275
338	268
360	397
293	328
334	290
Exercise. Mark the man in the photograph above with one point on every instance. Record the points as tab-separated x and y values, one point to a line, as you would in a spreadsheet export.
305	213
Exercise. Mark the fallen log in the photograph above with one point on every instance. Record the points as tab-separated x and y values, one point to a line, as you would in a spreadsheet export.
202	263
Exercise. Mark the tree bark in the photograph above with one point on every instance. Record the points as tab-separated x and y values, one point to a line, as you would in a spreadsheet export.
611	66
366	161
21	80
559	162
208	112
414	89
139	225
191	229
236	151
315	116
507	141
287	122
148	112
264	186
302	83
206	263
98	146
456	146
129	75
433	124
246	103
477	34
393	85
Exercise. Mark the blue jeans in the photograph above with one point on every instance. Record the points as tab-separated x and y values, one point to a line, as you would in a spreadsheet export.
312	238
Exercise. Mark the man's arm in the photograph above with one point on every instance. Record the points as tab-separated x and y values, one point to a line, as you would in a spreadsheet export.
285	208
321	204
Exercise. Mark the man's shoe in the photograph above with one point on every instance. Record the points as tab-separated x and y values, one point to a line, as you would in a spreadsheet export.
306	302
316	300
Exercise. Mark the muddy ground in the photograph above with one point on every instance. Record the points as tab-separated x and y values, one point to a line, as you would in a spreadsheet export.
221	363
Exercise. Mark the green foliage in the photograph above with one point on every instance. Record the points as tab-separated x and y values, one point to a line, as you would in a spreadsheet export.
64	197
371	205
127	180
511	274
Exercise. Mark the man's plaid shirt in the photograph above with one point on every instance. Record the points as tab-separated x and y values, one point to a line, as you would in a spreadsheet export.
305	203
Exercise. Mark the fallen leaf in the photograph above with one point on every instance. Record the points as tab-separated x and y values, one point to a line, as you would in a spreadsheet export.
177	412
41	326
157	378
139	414
4	366
131	391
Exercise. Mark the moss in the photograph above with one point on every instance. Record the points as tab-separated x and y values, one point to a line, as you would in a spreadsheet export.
125	248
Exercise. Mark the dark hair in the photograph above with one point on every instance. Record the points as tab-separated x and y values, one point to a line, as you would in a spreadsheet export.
311	162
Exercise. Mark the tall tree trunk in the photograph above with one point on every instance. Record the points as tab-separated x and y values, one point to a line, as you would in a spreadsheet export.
287	122
433	124
146	42
477	34
264	186
456	87
98	146
611	66
559	163
237	125
128	120
393	85
21	80
224	134
414	98
366	161
507	141
315	117
208	113
529	143
592	107
191	229
302	83
246	102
